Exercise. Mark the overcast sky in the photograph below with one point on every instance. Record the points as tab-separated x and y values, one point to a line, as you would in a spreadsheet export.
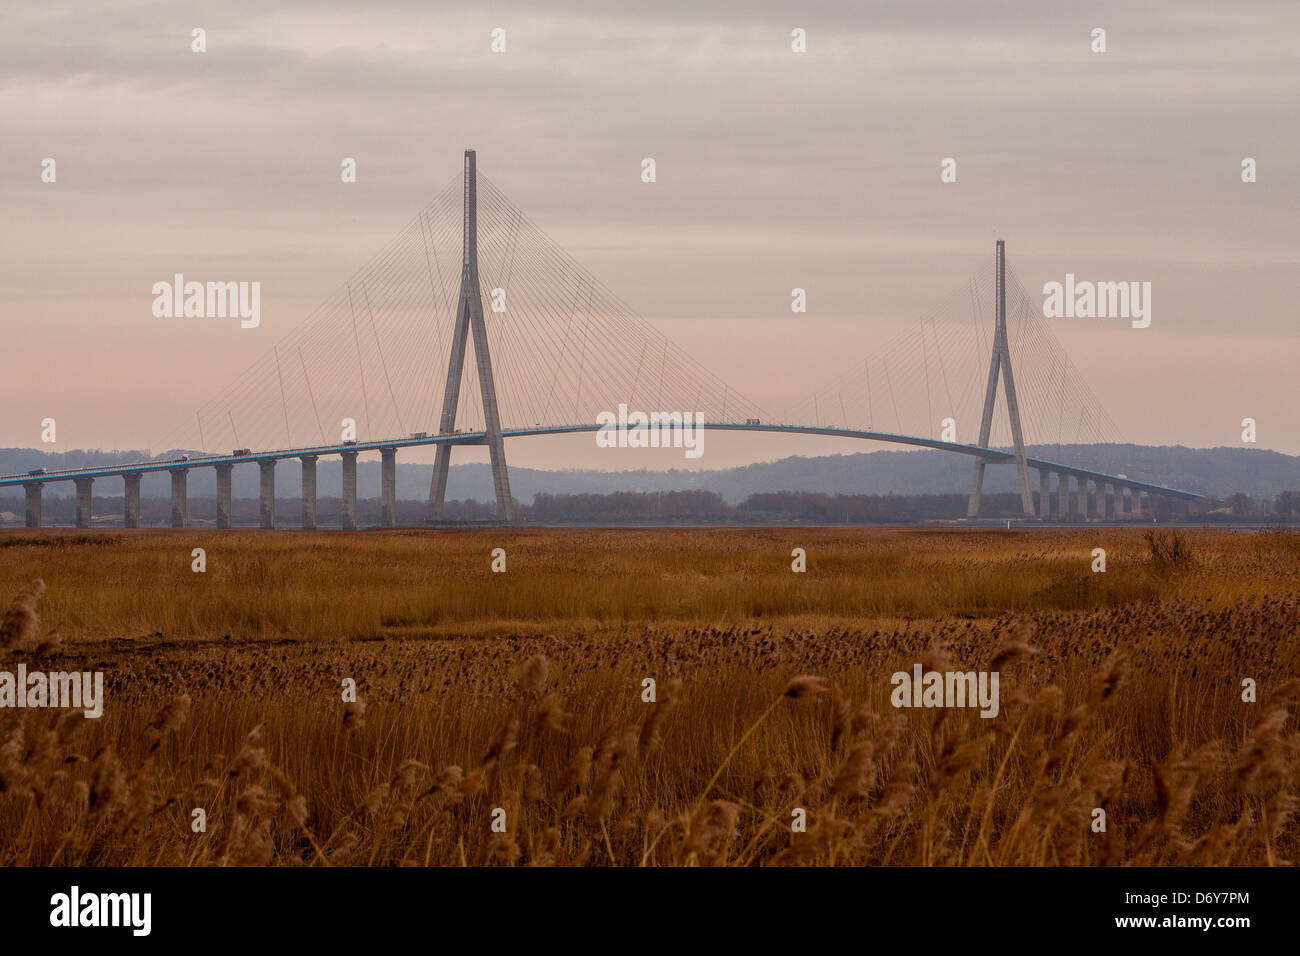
775	170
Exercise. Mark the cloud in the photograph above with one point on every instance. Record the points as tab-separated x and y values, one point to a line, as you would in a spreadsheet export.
775	170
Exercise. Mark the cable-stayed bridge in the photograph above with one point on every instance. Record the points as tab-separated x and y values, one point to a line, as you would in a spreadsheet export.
553	349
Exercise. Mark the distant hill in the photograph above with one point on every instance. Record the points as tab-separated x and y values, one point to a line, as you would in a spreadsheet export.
1215	471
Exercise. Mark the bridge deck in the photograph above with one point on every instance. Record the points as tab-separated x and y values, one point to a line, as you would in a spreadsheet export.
993	456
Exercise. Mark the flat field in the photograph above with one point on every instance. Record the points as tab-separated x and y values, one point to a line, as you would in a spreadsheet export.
502	717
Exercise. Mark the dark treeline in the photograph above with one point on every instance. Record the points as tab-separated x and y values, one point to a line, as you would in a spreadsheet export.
802	507
635	507
624	507
779	507
628	506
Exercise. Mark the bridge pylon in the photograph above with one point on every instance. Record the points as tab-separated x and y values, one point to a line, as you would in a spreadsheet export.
469	316
1001	362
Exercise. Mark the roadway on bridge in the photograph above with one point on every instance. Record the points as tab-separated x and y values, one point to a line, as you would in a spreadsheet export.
994	456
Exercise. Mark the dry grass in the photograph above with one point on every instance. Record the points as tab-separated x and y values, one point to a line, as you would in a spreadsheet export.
522	691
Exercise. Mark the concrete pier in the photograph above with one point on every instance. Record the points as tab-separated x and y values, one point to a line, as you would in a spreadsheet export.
1067	496
131	499
349	502
309	492
1044	493
223	495
84	515
388	487
34	516
1110	502
180	502
267	504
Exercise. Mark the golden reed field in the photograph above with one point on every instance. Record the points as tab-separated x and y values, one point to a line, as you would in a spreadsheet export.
500	717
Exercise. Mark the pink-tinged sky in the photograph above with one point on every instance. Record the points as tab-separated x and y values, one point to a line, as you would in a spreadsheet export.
775	170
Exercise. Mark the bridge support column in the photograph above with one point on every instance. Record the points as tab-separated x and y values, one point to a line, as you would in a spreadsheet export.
999	364
131	499
469	320
84	516
223	495
1110	501
388	487
309	492
1044	493
1064	498
180	502
1090	491
267	505
34	516
349	497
